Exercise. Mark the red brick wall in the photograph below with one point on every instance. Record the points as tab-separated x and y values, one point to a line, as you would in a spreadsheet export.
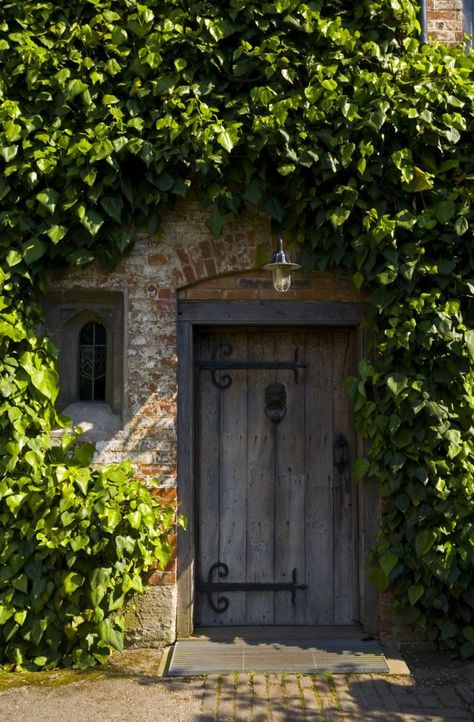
445	21
149	277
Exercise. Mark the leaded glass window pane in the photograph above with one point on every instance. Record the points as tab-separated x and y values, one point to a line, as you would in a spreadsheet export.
92	362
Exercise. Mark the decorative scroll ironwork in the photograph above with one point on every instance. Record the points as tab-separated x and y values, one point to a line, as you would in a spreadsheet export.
226	349
211	587
275	402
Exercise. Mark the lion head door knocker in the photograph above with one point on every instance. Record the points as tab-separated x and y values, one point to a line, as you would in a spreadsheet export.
275	402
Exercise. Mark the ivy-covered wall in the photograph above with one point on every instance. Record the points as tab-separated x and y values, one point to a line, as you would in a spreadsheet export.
332	120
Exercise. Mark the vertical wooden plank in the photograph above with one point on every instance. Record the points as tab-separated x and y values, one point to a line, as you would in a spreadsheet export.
233	477
208	463
319	477
368	523
260	482
186	546
370	513
345	548
290	483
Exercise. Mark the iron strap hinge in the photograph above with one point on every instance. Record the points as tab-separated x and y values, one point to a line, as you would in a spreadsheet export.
211	587
226	349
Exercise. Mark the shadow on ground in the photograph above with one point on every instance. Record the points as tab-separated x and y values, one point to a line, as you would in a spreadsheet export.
129	689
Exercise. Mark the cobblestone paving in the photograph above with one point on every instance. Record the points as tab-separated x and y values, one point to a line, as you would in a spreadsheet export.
130	689
355	698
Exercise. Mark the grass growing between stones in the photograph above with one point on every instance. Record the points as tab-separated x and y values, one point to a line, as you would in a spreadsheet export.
130	663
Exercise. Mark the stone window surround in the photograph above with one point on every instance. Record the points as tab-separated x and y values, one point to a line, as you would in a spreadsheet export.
67	312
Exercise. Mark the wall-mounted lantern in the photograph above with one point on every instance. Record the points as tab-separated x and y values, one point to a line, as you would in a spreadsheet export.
281	268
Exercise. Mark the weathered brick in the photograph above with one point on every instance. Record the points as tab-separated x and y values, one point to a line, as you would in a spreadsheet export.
160	578
445	21
165	493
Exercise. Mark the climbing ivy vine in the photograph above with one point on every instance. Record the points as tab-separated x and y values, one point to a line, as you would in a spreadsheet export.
330	117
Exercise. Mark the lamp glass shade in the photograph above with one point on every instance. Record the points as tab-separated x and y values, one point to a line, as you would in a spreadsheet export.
281	268
281	278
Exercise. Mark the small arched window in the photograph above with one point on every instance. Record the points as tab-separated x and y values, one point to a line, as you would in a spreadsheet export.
92	362
88	327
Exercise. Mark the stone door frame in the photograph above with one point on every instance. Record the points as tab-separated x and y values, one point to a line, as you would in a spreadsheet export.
192	314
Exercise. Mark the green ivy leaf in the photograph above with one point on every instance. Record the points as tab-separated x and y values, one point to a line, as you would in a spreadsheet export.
339	216
46	381
134	519
275	209
90	219
56	233
72	581
40	661
254	191
21	583
84	453
14	258
5	613
358	280
379	579
112	206
444	211
21	616
424	540
73	88
12	131
111	635
101	149
361	468
422	181
388	561
397	383
48	198
10	331
9	152
216	223
469	339
227	138
33	250
165	182
461	226
415	592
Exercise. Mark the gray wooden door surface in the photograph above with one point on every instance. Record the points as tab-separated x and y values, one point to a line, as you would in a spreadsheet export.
276	496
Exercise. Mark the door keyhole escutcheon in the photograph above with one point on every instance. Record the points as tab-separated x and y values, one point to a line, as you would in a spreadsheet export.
275	402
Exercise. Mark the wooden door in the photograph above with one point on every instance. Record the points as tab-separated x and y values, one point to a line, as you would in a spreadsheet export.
275	446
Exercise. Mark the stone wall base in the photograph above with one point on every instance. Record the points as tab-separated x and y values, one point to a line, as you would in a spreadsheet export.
150	618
